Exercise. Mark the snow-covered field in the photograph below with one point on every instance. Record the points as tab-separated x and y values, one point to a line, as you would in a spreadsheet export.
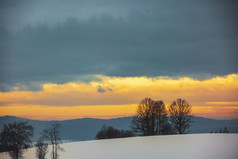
195	146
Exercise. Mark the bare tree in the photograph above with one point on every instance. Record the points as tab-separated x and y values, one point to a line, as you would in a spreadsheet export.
52	135
161	117
41	149
16	137
225	130
142	123
151	118
180	115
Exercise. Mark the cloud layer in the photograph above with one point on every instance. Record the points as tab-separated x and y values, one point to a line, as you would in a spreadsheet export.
56	42
129	90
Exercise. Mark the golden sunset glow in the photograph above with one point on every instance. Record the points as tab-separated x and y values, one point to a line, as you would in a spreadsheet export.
118	96
60	113
103	112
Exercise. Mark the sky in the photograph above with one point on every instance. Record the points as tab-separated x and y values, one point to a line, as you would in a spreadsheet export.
65	59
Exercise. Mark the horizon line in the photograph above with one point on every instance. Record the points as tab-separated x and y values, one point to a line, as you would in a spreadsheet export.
100	118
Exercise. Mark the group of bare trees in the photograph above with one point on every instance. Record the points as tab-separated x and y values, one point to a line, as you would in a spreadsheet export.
15	138
52	136
152	118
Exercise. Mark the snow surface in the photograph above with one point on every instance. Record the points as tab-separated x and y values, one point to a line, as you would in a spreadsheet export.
192	146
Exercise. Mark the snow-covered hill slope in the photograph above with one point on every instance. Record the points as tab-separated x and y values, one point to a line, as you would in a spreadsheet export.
192	146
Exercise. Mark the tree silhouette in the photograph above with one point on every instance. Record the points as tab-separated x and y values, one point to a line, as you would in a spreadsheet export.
16	137
161	117
151	118
180	115
52	134
41	149
142	123
111	132
225	130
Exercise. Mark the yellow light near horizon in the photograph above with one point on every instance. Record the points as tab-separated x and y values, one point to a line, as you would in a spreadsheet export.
104	112
62	113
222	103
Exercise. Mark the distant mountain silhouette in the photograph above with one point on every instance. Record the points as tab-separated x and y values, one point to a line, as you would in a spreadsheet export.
86	128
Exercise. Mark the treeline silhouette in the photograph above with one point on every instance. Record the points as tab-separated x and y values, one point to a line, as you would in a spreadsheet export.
224	130
111	132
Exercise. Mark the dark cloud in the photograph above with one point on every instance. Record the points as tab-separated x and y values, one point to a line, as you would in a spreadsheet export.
101	90
125	39
109	89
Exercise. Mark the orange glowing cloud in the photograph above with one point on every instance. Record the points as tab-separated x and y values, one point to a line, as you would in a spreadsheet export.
114	94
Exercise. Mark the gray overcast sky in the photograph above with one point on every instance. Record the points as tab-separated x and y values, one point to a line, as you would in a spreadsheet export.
67	40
